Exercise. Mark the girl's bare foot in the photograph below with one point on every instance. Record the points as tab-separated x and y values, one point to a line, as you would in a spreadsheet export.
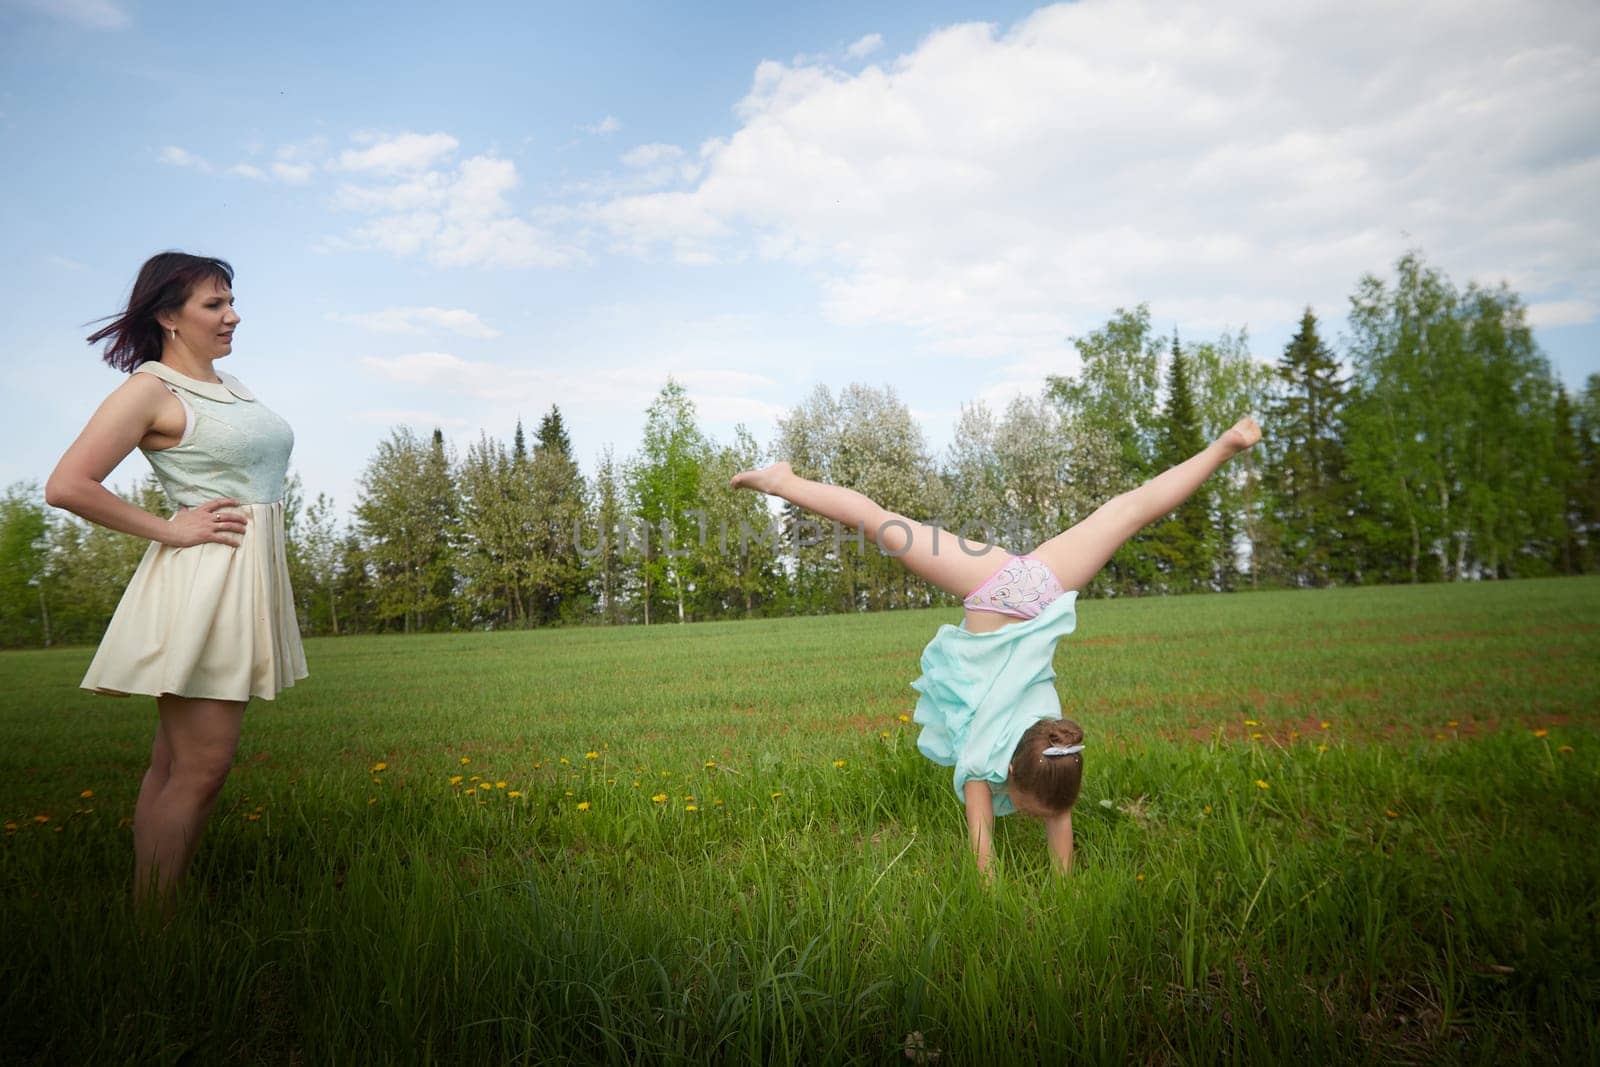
766	479
1241	435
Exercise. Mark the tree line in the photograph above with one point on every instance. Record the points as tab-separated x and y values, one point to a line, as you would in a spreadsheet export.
1441	446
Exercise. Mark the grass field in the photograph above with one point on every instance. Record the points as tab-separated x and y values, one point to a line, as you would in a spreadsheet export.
1342	826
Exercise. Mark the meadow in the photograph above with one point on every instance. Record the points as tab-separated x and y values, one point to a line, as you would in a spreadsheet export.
1333	826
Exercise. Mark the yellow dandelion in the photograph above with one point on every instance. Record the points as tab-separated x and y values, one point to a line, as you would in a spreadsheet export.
710	763
1251	722
499	785
1452	724
719	803
690	807
371	801
1391	813
514	793
41	818
86	794
591	755
666	774
583	805
475	778
1564	748
568	793
636	783
1207	809
1138	878
1325	725
838	763
376	767
455	779
538	764
11	827
1541	733
1322	748
1261	783
471	791
660	798
903	717
778	794
565	762
1255	737
611	781
465	760
688	796
884	735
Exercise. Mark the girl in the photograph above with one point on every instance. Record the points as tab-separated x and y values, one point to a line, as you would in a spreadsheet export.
988	705
208	620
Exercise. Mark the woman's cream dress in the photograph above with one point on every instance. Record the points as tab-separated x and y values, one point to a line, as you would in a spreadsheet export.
211	621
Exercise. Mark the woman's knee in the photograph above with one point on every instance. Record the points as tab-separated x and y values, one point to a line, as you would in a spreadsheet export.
201	778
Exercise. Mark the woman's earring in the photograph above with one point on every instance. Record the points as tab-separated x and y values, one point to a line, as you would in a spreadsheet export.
172	332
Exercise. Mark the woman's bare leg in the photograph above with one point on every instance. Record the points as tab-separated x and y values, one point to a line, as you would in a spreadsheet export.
956	565
196	742
1077	555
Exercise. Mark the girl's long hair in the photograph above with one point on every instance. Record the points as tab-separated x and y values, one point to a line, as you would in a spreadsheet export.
165	282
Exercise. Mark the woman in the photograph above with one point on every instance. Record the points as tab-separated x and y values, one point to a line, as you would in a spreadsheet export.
988	705
208	619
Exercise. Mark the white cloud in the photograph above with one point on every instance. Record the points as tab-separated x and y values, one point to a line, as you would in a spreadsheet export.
90	14
501	389
865	46
174	156
1001	190
605	127
1563	313
651	155
408	320
248	170
456	217
405	153
293	173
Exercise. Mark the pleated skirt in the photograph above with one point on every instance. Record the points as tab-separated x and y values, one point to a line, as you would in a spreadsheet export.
210	621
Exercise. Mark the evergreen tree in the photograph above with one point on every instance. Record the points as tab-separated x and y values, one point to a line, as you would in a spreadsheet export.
1309	469
1180	542
557	510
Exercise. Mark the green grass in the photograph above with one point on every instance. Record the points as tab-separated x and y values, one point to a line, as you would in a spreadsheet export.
1401	890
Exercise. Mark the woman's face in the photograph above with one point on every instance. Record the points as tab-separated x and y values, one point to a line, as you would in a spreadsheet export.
206	321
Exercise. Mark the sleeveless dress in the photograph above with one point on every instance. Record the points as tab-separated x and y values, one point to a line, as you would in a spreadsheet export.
981	692
211	621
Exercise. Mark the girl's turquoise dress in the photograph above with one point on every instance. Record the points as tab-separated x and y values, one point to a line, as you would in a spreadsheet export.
980	692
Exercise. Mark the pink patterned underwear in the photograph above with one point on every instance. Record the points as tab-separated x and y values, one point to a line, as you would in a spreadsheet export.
1022	588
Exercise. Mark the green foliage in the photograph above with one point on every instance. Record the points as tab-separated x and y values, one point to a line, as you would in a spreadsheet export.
24	556
1180	543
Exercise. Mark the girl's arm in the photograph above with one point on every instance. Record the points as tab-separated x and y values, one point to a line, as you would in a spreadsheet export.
980	821
1058	835
141	410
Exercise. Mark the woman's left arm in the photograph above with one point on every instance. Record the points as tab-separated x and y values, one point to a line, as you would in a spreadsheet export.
1058	834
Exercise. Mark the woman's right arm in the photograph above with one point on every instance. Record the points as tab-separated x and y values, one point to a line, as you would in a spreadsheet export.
137	410
980	820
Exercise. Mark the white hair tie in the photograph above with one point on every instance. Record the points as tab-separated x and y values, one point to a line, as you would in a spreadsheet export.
1069	750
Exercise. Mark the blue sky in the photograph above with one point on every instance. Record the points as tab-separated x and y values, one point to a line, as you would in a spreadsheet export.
457	216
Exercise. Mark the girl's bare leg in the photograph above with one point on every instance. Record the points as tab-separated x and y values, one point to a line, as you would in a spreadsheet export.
191	758
956	565
1077	555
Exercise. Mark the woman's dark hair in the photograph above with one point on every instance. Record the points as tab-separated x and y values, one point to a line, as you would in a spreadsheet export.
1052	780
165	282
